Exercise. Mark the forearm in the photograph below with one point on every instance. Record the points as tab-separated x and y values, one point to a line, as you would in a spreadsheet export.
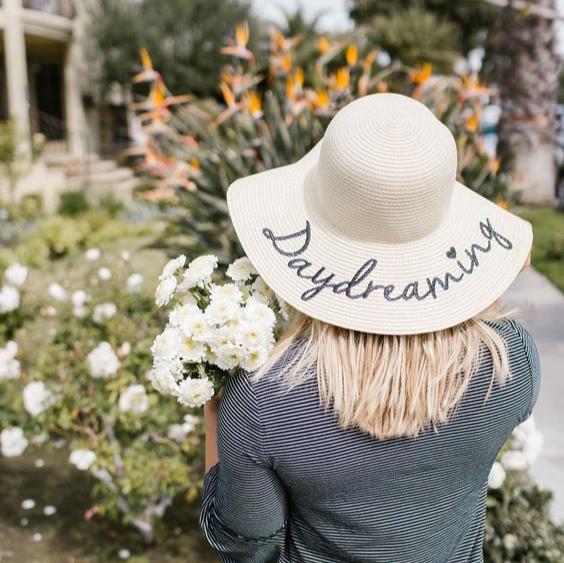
210	424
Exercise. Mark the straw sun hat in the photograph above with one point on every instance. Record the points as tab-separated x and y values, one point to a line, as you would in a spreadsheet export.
371	231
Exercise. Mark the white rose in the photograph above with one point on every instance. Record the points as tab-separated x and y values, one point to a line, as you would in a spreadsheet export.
9	299
165	290
9	366
195	392
191	421
105	274
102	361
80	312
124	350
510	541
125	255
82	458
79	297
514	460
135	283
134	399
240	270
16	274
57	292
496	476
92	254
172	267
36	398
178	432
103	312
12	442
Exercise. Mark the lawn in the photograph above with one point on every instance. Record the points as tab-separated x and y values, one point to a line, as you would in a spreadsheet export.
548	244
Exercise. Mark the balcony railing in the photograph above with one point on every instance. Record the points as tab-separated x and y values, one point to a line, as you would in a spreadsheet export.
57	7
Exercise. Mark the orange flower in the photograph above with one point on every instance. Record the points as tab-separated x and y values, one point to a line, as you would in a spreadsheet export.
421	75
342	79
351	54
472	123
148	73
287	62
242	34
382	86
299	77
228	95
253	104
323	45
502	202
290	91
493	165
320	100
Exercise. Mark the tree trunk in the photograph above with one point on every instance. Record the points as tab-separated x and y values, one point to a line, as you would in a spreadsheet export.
526	70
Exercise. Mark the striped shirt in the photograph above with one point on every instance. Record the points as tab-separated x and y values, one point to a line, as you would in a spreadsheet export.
291	486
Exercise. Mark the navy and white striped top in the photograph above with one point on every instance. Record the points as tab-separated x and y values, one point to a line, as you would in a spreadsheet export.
291	486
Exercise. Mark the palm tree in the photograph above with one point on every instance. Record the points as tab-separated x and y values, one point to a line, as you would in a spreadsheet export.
526	72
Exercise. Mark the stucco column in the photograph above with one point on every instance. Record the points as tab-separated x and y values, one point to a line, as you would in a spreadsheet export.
74	111
16	72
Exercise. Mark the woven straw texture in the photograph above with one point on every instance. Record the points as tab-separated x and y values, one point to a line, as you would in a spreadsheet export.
378	197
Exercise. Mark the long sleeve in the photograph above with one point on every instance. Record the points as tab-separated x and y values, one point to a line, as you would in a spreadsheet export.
244	507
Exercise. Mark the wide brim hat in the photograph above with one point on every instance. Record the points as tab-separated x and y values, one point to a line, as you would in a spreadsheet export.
371	230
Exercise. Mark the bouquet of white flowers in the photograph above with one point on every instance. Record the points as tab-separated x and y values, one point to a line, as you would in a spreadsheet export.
213	328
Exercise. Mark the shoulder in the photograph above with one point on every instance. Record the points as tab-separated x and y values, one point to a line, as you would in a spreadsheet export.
524	361
519	342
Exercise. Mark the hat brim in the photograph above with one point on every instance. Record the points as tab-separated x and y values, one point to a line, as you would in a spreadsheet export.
413	287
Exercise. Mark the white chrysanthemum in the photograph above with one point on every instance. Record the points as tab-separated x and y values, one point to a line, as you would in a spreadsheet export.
253	334
261	292
514	460
191	321
162	379
79	297
92	254
240	270
254	359
9	365
192	350
219	312
57	292
135	283
226	292
82	458
259	312
496	476
125	255
36	398
165	290
102	361
103	312
228	357
172	267
195	392
16	274
9	299
134	399
284	309
166	346
199	272
13	442
105	274
124	350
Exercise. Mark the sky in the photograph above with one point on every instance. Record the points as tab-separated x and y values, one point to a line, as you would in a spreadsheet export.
336	18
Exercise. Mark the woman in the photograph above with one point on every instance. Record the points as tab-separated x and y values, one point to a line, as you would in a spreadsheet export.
370	433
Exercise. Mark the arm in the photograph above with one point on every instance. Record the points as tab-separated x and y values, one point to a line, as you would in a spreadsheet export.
244	509
210	426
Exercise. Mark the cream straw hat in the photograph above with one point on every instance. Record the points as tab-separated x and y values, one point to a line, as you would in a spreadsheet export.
371	231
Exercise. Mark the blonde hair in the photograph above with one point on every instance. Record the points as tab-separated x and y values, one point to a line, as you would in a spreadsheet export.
389	385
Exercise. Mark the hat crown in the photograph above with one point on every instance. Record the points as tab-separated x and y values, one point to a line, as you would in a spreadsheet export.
386	170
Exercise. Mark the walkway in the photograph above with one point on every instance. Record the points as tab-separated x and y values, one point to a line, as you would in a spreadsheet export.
541	308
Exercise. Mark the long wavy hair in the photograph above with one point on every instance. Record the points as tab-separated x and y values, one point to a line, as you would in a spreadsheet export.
387	385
